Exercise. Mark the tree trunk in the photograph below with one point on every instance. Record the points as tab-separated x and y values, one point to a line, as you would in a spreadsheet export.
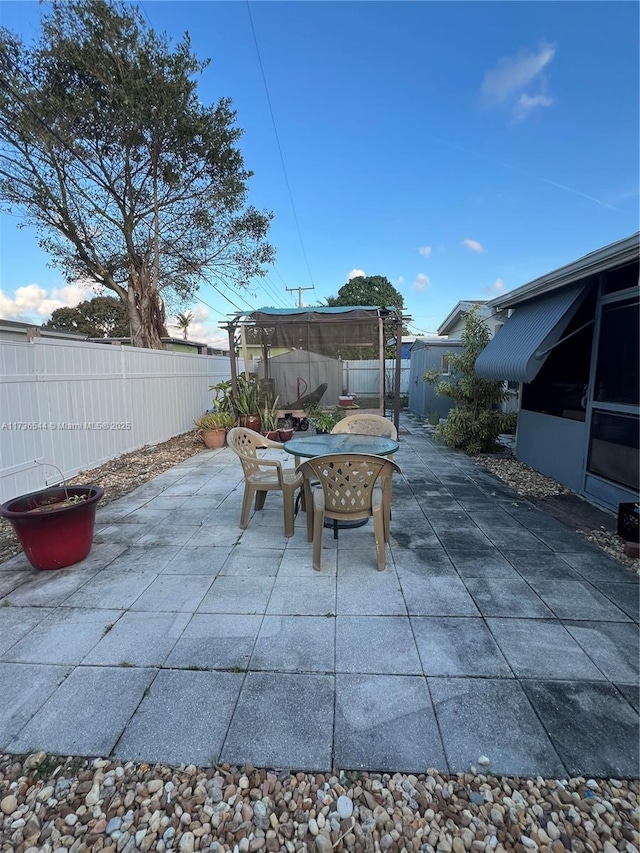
146	310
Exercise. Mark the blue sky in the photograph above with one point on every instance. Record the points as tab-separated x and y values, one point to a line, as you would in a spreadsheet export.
458	148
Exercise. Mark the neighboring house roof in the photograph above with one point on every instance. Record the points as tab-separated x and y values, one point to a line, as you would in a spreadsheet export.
543	310
615	254
31	330
422	343
463	307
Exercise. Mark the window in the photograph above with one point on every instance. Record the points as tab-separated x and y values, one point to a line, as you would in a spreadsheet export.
618	375
613	448
621	278
560	387
444	364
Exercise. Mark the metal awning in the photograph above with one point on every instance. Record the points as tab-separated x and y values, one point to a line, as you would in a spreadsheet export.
519	349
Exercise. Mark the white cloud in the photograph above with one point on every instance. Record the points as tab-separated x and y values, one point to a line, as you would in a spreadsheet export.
396	282
425	251
496	288
421	282
200	329
474	245
525	104
33	304
355	274
505	84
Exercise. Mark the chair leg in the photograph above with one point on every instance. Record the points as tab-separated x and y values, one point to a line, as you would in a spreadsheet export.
378	532
308	499
246	505
261	497
318	528
386	500
288	497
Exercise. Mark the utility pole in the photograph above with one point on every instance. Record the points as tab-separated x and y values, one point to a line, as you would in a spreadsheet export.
299	289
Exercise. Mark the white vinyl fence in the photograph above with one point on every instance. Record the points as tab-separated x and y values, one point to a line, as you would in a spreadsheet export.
77	404
362	377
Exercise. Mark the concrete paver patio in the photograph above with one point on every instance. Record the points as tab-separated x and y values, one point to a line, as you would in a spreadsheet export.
494	630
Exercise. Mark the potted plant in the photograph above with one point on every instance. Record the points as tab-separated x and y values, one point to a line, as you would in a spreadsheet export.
54	525
222	396
269	420
246	402
324	421
213	426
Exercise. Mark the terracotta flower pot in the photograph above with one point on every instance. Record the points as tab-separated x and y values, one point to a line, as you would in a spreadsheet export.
53	532
285	434
271	434
214	438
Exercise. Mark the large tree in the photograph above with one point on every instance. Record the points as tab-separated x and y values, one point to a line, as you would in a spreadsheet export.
368	290
101	317
128	178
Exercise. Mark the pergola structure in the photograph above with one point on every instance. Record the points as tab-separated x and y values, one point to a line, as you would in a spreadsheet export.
299	352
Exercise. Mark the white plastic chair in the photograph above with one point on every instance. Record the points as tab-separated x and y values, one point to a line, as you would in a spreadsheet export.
369	424
347	493
263	475
364	424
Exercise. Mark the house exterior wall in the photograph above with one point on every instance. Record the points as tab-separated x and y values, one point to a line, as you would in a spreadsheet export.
579	416
553	446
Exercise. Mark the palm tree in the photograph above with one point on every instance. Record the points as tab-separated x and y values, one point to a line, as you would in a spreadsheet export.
184	321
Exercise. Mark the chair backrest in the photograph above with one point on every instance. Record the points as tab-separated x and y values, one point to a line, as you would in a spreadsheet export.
367	425
347	481
245	443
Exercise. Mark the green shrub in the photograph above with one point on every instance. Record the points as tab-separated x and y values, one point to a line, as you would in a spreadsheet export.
475	421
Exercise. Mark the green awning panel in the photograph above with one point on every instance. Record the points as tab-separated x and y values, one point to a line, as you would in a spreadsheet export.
520	347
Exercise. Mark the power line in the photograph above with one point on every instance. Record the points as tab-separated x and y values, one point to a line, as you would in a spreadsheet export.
270	288
299	289
275	130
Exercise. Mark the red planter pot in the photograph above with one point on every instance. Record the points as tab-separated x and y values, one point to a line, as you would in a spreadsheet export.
249	422
54	537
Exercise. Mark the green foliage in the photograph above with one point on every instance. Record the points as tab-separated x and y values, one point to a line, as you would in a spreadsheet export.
475	421
510	423
215	420
222	395
184	321
101	317
247	399
269	416
368	290
128	178
322	420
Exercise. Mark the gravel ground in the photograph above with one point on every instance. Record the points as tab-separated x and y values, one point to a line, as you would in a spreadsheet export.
69	803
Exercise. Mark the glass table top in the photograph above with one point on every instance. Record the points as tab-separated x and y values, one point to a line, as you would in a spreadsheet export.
318	445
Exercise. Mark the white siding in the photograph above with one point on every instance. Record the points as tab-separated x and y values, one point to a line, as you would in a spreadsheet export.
52	390
362	377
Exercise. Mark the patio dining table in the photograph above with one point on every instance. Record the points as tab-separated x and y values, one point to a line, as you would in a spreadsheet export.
320	444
